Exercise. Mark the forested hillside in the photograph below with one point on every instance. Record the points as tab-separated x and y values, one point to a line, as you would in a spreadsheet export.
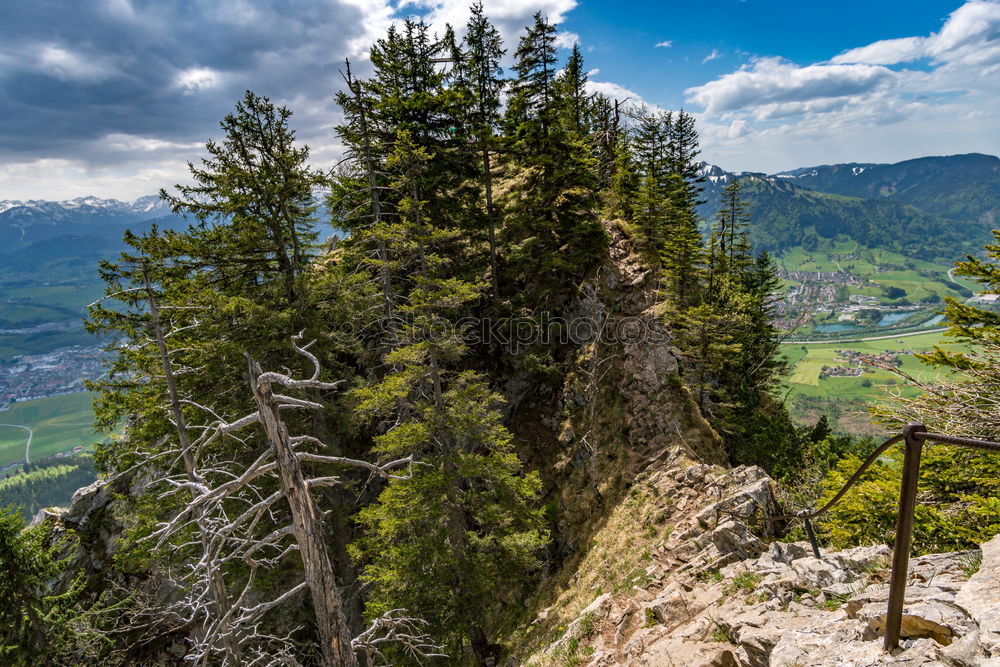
940	217
957	187
46	483
375	449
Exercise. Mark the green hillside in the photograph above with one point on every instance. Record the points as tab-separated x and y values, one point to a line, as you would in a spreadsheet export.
59	424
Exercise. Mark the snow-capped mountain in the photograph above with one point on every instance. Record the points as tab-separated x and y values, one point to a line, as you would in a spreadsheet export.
25	222
933	208
958	187
40	210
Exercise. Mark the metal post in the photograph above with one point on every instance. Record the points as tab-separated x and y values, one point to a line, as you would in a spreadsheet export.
812	538
904	534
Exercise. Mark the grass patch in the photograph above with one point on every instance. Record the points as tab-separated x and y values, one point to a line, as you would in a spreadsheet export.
59	423
722	635
971	562
744	581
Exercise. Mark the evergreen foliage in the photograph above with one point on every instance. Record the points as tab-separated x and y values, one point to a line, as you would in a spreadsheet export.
551	228
46	483
457	206
958	505
36	622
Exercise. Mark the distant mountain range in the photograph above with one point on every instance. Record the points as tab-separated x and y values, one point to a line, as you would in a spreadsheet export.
24	223
932	207
958	187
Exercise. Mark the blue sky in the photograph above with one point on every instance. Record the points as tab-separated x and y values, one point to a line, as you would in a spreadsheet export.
618	36
113	97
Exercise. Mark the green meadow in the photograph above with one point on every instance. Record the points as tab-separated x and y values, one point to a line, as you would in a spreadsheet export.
59	423
847	398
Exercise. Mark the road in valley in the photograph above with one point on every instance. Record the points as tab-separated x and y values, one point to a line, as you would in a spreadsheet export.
859	340
27	445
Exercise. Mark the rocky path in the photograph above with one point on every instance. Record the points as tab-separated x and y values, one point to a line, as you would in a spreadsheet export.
722	597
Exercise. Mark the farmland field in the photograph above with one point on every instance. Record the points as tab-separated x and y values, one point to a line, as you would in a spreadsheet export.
59	423
847	399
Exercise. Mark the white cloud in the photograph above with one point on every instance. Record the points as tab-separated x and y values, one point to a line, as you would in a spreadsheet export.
714	55
665	44
615	91
509	16
194	79
885	52
971	34
75	178
566	40
772	114
770	80
739	128
67	65
130	142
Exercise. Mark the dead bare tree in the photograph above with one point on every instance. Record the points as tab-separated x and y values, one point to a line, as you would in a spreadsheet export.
259	535
395	628
221	606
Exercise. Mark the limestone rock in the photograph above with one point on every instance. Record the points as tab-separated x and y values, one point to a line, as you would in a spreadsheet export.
980	597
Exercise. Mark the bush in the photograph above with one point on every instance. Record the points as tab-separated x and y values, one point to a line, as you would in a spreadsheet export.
958	505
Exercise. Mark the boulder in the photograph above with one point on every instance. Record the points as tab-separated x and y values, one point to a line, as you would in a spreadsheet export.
980	598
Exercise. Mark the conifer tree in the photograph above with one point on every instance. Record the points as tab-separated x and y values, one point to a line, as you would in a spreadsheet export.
532	89
436	542
38	624
732	253
484	51
550	181
571	87
253	198
612	150
683	252
968	323
409	92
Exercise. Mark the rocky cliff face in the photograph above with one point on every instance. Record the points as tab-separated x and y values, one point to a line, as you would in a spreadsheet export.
663	554
668	556
616	406
716	595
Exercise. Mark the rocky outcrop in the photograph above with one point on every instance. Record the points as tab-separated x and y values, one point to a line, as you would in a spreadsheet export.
738	603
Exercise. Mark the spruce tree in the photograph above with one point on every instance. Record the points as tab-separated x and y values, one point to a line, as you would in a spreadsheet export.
571	87
550	183
254	201
484	74
733	254
437	542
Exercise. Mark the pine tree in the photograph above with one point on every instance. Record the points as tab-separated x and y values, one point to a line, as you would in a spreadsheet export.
484	51
550	183
254	200
683	252
571	88
437	542
39	625
732	254
532	90
409	92
612	150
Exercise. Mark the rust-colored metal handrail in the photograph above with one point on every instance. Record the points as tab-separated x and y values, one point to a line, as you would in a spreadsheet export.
913	437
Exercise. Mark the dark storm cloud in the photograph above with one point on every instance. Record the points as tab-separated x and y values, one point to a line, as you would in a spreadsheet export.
72	73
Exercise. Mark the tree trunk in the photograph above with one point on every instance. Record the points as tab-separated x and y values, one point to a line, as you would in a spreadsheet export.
220	596
491	218
334	636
